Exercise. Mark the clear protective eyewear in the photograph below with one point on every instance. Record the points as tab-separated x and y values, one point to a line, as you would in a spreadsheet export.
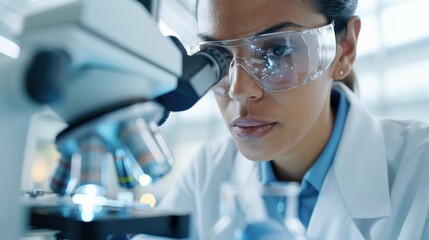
278	61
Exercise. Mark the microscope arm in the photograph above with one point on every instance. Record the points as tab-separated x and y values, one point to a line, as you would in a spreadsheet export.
16	111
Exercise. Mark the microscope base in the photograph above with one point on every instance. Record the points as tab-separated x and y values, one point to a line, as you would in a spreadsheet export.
110	221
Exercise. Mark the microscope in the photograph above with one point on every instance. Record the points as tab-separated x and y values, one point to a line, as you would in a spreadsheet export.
107	71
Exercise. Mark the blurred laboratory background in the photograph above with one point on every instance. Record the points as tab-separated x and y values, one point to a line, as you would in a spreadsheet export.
392	67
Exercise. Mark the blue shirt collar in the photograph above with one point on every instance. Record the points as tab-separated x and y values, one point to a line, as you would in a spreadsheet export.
316	174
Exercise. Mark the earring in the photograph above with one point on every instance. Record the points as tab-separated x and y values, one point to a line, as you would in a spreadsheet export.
341	72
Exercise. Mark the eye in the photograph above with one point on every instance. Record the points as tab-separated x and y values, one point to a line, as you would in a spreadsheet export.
278	50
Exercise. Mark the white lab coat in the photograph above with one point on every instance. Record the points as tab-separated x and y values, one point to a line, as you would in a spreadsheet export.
377	187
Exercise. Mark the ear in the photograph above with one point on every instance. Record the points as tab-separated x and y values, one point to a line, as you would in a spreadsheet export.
346	50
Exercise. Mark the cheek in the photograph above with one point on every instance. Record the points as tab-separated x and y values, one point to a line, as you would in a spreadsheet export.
300	111
222	103
310	103
296	114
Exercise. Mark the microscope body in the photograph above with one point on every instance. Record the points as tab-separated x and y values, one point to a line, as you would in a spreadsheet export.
87	60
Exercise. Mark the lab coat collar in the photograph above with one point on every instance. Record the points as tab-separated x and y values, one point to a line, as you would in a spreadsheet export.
360	166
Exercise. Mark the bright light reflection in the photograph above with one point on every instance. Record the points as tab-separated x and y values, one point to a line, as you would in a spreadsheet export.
88	200
148	198
145	180
9	48
91	190
88	211
87	216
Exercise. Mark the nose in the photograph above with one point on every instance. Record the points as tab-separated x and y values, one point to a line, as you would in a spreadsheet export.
243	88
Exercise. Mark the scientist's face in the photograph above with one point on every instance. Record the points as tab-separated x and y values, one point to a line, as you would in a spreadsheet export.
267	125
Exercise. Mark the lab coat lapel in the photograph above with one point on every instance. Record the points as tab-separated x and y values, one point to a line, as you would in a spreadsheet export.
356	187
360	165
330	218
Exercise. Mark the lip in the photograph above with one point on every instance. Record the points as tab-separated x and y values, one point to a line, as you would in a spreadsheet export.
251	128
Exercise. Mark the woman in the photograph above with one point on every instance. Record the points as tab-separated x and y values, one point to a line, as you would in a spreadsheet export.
361	177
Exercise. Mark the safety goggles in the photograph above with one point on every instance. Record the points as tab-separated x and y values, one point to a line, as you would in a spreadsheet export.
278	61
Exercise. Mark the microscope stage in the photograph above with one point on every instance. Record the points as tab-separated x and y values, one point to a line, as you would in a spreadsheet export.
69	220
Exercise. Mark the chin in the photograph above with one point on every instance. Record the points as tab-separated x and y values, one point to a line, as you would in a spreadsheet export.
254	150
254	153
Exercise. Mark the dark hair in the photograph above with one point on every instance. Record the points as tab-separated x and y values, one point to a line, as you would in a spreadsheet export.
340	11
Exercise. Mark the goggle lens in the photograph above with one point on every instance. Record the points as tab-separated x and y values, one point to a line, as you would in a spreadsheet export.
279	61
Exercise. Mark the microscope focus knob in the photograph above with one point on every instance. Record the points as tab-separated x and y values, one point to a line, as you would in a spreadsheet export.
47	75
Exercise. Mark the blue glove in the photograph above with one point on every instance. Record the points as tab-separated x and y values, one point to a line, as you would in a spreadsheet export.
266	230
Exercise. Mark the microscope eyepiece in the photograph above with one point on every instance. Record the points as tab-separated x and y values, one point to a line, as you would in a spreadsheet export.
200	72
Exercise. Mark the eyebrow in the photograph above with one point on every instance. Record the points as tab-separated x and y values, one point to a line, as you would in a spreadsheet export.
272	29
